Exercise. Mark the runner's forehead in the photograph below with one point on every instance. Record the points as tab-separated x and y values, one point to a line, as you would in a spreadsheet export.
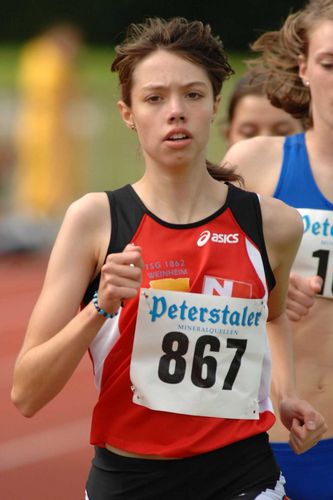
163	69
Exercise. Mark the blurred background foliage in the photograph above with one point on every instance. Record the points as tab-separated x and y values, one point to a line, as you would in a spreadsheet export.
113	155
105	21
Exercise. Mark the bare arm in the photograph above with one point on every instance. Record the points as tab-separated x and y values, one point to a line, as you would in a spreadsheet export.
283	231
58	335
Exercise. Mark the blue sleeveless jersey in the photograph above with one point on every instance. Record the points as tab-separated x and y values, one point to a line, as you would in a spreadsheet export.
298	188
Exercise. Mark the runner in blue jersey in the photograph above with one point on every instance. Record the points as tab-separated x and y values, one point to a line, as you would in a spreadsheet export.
297	61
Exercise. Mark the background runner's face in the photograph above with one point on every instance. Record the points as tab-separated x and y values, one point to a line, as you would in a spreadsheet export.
255	116
172	109
317	69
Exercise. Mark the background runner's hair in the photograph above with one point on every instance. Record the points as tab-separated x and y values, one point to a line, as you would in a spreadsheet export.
279	59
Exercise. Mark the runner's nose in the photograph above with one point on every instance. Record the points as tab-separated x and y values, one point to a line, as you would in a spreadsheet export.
176	111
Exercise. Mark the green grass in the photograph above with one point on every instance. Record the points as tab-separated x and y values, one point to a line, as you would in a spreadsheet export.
8	63
113	155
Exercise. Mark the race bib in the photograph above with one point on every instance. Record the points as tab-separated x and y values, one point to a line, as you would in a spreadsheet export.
315	255
198	354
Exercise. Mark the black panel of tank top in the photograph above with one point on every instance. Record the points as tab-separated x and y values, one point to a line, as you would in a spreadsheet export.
126	215
246	208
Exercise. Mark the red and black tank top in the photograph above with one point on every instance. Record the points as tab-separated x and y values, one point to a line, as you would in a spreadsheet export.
224	254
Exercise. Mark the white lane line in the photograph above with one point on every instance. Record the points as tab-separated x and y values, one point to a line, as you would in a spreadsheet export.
44	445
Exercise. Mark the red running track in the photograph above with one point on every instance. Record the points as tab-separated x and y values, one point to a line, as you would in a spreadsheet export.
48	456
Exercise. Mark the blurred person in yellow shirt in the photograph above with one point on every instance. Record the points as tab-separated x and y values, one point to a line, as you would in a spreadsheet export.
48	175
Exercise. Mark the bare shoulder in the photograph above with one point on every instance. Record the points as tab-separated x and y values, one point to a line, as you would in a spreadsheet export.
89	210
84	235
259	161
254	149
283	226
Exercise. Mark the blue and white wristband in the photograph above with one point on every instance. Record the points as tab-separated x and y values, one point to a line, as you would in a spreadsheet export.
100	310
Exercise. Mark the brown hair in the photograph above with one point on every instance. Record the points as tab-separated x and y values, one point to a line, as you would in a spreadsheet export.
279	63
248	84
192	40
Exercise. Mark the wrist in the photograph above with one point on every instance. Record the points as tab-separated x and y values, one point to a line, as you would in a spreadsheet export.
287	398
280	395
102	312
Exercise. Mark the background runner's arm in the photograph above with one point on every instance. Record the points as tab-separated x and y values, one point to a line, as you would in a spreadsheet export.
283	230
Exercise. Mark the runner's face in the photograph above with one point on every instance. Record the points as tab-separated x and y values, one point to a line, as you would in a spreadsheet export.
317	69
172	109
255	116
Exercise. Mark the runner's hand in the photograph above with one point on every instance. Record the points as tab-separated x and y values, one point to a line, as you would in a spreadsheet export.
121	277
305	424
301	295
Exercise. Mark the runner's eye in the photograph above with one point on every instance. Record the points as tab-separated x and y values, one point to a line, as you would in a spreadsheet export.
153	98
194	95
327	65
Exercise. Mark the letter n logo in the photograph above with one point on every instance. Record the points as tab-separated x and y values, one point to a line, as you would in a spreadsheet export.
228	288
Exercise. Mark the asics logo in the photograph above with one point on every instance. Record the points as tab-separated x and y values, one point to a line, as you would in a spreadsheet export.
205	236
